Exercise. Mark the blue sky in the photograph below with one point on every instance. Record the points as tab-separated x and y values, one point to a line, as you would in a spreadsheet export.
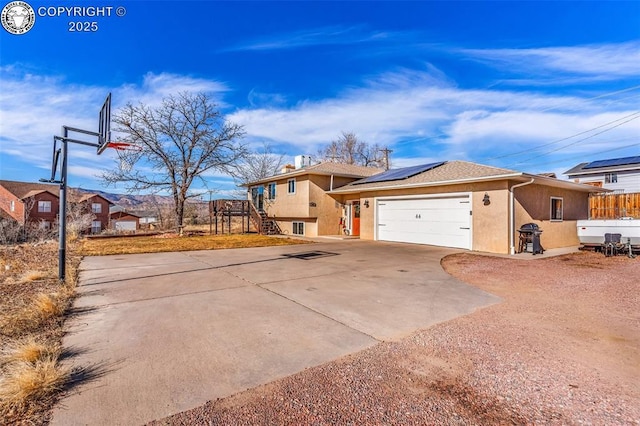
531	86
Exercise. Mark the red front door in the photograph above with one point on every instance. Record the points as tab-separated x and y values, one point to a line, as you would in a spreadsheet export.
355	218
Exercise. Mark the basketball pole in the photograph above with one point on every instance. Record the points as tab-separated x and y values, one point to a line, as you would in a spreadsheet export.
62	221
62	210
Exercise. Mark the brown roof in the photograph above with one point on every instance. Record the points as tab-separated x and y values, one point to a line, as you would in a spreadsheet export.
327	168
27	189
447	172
86	197
453	172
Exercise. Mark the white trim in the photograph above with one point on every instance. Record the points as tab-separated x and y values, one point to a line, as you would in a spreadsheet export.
293	227
295	186
551	219
543	180
469	195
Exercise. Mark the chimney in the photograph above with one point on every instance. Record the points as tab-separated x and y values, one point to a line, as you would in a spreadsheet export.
302	161
287	168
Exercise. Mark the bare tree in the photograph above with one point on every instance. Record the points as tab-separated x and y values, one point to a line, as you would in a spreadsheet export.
257	165
176	143
79	219
348	149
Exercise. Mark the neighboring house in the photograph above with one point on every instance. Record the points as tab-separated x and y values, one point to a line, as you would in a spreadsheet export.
99	207
30	202
298	201
124	221
451	204
619	174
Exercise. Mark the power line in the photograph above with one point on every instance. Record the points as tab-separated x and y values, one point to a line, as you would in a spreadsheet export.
579	140
637	114
582	156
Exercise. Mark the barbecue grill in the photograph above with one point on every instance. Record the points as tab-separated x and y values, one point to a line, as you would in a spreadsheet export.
530	239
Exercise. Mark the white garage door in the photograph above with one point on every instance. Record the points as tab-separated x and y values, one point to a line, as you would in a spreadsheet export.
125	225
443	221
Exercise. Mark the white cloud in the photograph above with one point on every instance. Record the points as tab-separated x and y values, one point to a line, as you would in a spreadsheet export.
314	37
602	62
33	108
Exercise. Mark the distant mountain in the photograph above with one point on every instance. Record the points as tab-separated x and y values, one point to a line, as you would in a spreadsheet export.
131	202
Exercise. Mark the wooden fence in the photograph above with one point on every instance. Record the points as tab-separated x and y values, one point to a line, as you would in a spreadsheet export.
614	206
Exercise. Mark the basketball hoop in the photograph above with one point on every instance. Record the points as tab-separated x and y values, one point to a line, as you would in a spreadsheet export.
127	154
123	146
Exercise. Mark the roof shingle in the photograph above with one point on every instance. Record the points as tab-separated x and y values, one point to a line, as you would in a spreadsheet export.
449	171
27	189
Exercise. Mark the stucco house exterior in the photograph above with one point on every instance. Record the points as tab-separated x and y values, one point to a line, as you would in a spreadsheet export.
618	174
30	202
450	203
298	200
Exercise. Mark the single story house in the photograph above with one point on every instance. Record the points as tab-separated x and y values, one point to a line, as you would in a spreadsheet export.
125	221
450	203
619	174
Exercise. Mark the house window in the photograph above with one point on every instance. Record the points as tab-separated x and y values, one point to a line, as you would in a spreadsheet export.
12	206
610	178
44	206
556	208
272	191
291	186
96	227
96	207
298	228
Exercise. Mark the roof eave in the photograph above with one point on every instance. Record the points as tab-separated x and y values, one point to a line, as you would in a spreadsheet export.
300	173
515	176
355	189
600	170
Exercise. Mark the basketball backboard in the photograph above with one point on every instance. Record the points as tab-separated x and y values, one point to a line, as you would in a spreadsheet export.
104	125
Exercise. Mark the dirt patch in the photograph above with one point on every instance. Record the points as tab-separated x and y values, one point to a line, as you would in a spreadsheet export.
562	348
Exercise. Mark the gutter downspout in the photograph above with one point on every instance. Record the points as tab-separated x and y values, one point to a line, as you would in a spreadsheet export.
512	225
331	184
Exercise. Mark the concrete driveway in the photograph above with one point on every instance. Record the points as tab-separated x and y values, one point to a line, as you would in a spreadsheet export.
163	333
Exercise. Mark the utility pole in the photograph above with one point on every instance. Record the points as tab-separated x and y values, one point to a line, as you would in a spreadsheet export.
386	152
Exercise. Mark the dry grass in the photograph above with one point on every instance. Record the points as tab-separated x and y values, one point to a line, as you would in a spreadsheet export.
28	384
37	275
43	308
29	350
166	243
33	303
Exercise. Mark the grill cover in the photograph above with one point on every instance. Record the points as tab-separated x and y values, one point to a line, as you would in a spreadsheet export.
529	227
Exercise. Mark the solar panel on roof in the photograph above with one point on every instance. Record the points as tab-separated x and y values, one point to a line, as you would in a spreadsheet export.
613	162
398	174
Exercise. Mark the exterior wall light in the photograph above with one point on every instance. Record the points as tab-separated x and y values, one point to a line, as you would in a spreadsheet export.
486	200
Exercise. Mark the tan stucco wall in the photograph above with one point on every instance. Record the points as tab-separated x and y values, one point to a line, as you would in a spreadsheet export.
310	226
311	204
490	223
289	205
327	209
533	205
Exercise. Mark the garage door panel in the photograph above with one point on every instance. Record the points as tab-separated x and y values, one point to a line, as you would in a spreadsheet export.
436	221
125	225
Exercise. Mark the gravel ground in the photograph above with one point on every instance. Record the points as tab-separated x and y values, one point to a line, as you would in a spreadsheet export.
563	348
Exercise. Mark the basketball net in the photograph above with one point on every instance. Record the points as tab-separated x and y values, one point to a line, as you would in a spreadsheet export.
127	154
